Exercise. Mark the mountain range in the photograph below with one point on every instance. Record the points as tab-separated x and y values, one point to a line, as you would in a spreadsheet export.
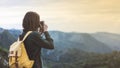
100	42
68	44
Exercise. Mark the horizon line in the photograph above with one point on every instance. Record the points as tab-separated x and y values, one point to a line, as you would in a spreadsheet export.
65	31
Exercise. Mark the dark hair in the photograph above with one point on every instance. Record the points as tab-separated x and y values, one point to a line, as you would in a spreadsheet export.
31	21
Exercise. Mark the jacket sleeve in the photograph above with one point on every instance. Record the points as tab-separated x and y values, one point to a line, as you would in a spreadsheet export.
43	43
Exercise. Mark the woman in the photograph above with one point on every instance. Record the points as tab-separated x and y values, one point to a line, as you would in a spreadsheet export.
34	42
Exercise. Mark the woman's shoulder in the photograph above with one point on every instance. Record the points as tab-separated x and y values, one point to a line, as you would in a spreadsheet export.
35	33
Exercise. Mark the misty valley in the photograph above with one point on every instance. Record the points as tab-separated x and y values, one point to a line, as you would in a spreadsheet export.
72	50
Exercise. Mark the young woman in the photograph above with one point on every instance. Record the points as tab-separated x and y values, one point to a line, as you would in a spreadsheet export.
34	42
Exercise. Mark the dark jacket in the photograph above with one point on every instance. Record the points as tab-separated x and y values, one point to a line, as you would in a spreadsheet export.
33	44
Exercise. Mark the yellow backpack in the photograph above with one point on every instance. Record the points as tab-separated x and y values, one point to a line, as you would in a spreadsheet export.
18	57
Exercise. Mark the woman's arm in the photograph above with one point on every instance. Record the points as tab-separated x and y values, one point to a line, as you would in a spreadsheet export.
41	42
48	42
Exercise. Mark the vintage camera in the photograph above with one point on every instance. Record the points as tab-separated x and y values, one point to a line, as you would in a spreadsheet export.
42	23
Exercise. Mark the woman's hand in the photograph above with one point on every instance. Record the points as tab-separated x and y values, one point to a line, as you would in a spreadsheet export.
45	27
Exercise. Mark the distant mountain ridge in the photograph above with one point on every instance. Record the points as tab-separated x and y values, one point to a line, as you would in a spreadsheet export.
110	39
6	39
1	30
83	41
63	41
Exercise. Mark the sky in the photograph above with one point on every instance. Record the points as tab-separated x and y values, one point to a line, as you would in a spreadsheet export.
87	16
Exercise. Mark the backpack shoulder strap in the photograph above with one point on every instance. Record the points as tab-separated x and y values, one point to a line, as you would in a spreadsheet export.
26	35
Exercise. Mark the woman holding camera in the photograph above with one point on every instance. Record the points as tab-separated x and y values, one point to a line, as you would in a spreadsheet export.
34	42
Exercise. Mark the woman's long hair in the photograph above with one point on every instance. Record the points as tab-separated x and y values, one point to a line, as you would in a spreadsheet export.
31	21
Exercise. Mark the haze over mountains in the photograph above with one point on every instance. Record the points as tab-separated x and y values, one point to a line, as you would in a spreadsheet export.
97	42
111	40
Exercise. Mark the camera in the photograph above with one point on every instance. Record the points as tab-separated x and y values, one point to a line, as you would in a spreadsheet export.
42	23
